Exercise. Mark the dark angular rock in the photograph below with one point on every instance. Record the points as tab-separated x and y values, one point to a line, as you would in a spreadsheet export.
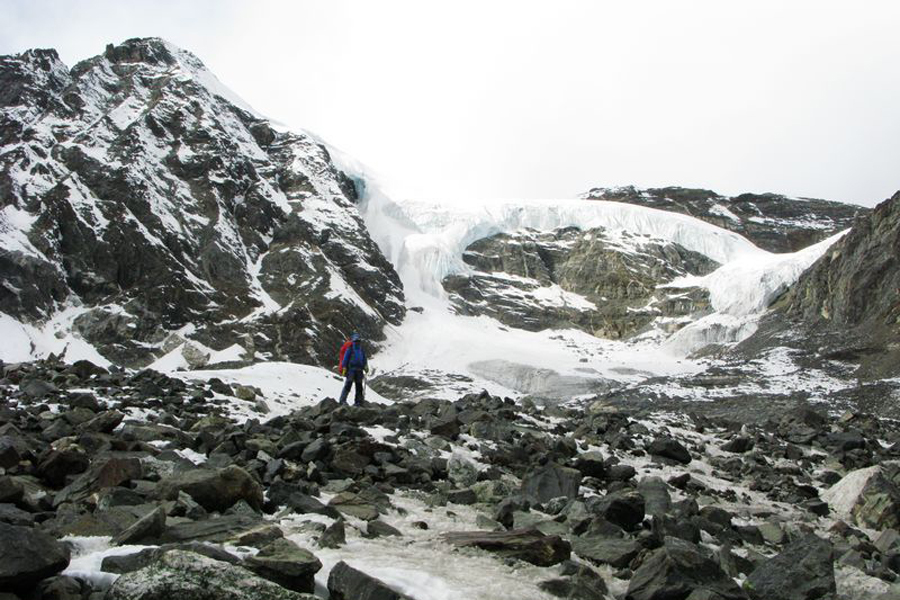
738	445
304	503
447	427
11	491
334	535
655	492
317	450
579	582
378	528
105	422
147	529
621	472
803	570
347	583
678	569
57	464
466	496
27	556
669	448
214	490
103	473
625	508
353	505
287	564
346	460
13	515
529	545
591	464
37	388
617	552
551	481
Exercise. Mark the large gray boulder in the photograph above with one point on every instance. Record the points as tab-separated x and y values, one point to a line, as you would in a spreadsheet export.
214	489
188	576
803	571
287	564
869	497
551	481
27	556
347	583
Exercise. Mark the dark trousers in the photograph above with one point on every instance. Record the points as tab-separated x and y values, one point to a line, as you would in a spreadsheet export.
356	377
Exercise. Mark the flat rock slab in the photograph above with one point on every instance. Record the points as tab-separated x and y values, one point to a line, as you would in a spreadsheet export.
287	564
529	545
188	576
617	552
219	529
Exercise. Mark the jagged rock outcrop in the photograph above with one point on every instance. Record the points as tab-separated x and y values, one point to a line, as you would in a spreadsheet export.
603	282
847	305
771	221
138	192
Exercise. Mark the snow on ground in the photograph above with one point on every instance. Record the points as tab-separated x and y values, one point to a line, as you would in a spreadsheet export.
284	386
421	564
88	554
24	342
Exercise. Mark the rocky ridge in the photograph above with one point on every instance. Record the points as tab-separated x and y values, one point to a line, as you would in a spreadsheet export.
844	312
585	501
771	221
611	285
160	214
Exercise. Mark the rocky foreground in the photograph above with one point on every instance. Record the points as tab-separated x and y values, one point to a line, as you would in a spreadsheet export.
139	486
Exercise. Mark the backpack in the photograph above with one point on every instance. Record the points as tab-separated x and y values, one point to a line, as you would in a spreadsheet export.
343	351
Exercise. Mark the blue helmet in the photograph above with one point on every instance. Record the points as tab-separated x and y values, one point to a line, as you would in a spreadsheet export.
355	337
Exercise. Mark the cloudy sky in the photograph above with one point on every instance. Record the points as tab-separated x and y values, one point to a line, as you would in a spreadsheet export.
506	99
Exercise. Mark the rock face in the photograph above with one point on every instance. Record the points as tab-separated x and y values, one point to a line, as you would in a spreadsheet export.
771	221
849	300
136	186
592	280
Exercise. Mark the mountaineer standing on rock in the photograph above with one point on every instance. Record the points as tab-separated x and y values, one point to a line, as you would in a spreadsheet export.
354	366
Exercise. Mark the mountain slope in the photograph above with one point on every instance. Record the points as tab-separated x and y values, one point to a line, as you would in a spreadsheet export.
142	196
771	221
847	305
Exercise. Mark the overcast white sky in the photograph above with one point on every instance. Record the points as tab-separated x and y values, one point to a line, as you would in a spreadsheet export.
506	99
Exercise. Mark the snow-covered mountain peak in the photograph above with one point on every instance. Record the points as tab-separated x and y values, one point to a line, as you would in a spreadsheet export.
145	204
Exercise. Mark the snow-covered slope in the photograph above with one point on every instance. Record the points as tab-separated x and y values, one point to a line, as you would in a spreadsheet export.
426	242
